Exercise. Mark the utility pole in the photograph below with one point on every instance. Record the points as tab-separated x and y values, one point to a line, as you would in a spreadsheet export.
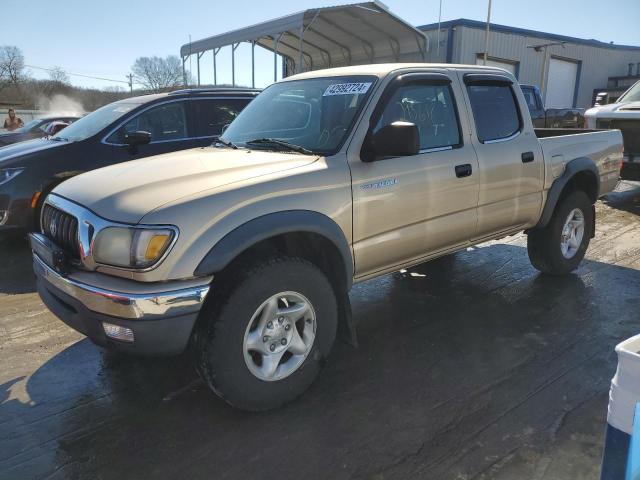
130	77
486	35
438	40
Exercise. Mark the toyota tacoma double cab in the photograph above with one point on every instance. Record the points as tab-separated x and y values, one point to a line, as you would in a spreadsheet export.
246	250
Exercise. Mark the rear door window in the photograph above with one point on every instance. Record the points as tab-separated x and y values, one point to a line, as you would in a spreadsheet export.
212	115
495	111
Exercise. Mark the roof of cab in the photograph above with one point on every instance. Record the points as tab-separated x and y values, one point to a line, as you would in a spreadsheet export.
383	69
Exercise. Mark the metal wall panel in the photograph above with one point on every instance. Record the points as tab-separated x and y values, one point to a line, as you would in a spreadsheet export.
597	63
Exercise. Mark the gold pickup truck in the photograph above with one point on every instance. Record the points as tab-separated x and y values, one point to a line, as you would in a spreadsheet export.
246	250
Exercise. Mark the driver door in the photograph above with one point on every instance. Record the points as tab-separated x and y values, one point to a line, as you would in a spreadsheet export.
167	124
406	208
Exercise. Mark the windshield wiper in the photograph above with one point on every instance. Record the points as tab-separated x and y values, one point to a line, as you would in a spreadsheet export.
286	145
226	143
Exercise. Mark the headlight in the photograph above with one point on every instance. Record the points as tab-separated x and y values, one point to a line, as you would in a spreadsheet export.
131	247
7	174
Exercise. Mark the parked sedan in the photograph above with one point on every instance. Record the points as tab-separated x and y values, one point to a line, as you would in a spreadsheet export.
34	129
121	131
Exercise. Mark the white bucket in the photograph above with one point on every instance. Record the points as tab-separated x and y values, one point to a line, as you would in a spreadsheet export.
625	386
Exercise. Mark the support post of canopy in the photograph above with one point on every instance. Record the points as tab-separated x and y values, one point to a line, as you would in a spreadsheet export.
253	64
215	73
300	68
275	57
184	72
233	63
198	64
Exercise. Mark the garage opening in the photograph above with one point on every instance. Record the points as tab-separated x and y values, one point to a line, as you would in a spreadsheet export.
561	83
509	66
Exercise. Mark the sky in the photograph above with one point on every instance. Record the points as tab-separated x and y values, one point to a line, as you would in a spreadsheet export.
103	39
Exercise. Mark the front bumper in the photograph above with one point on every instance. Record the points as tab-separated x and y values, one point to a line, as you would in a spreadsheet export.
161	321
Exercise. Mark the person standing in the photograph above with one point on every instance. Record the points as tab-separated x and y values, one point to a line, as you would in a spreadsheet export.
12	122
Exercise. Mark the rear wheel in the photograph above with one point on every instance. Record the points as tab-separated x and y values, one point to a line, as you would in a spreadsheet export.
263	342
559	247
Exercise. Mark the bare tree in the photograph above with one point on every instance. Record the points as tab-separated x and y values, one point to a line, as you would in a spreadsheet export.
57	74
156	73
11	66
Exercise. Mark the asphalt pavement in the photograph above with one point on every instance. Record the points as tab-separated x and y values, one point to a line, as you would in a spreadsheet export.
471	367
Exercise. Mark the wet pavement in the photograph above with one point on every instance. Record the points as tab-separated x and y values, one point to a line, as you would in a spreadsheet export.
471	367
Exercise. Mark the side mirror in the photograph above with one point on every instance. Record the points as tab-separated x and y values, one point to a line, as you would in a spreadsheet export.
398	139
133	139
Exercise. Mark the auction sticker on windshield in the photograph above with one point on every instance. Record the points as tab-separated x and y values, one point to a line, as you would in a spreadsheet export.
346	88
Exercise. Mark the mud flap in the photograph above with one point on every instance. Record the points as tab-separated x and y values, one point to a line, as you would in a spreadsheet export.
346	325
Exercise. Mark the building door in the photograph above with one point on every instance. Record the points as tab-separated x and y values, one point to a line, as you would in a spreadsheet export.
561	83
492	62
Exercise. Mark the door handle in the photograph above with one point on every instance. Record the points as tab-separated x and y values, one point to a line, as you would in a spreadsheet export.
463	170
527	157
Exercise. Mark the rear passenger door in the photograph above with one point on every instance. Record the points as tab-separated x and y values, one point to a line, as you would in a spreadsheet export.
509	154
212	115
405	208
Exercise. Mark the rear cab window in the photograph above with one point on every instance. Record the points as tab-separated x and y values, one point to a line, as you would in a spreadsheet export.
531	98
494	106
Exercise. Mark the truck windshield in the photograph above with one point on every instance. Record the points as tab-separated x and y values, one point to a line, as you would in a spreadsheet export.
631	95
91	124
308	116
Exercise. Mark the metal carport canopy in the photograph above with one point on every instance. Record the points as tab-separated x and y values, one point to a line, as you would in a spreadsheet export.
353	34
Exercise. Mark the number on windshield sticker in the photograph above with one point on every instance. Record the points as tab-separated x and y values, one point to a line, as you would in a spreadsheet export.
346	89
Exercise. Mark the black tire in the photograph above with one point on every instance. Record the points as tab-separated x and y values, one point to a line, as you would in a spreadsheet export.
223	322
543	244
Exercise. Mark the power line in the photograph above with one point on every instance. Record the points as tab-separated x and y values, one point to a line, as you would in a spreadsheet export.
77	74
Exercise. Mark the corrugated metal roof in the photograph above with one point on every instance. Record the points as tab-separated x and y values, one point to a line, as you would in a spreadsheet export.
327	37
465	22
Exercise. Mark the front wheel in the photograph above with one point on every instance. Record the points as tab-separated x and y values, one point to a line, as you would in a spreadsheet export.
559	247
263	343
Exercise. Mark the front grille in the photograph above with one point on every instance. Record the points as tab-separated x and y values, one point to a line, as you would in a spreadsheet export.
630	133
62	229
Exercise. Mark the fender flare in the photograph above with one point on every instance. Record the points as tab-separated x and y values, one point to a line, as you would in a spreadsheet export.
271	225
573	167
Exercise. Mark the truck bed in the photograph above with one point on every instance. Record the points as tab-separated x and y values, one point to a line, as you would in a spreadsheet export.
557	132
561	145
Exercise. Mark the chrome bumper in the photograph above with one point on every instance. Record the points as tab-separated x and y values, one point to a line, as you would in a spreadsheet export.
126	305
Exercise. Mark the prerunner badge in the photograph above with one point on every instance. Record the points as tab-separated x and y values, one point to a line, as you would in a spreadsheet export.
346	89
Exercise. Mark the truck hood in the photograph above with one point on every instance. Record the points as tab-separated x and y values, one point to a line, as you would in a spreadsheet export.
126	192
616	110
